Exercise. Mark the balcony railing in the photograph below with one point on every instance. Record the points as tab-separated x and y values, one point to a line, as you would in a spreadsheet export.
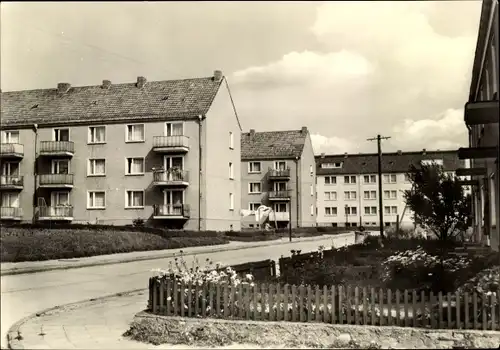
279	194
54	180
63	212
11	181
279	173
11	150
171	177
11	213
57	148
171	210
166	143
279	216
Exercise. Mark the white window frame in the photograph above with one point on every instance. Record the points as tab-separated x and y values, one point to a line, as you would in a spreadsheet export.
56	134
251	166
166	127
7	136
348	195
55	164
55	194
328	195
277	184
370	197
231	171
350	211
231	140
13	197
372	210
250	187
331	177
431	161
7	168
168	159
252	206
333	211
89	166
133	125
311	208
127	206
407	178
388	178
278	162
135	174
231	201
170	192
92	133
91	207
372	179
335	165
311	189
350	178
388	194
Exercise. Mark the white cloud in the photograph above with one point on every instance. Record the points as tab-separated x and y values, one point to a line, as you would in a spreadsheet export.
397	68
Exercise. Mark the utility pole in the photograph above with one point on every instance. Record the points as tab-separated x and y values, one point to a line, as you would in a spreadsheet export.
380	203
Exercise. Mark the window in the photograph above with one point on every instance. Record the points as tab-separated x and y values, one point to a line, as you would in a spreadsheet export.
280	186
350	179
370	195
312	209
350	195
61	134
97	134
97	167
10	200
135	133
370	210
431	161
330	180
331	211
311	169
231	201
58	199
390	194
390	179
231	140
174	129
96	200
10	137
254	167
330	196
60	166
280	165
392	210
331	165
134	199
311	189
253	206
407	178
351	210
134	166
369	179
231	171
10	169
254	187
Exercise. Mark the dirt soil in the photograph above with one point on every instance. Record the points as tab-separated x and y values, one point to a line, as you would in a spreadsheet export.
277	335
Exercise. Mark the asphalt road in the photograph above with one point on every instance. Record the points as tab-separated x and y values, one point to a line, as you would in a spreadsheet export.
23	295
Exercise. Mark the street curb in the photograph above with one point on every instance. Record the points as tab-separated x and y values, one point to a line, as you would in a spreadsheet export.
14	343
28	270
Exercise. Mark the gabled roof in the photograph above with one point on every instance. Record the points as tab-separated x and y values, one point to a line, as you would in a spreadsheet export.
273	144
170	99
391	162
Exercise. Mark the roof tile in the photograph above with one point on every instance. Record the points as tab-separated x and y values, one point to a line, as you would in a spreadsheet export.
272	144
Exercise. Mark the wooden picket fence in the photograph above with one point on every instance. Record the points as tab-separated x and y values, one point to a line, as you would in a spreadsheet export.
335	305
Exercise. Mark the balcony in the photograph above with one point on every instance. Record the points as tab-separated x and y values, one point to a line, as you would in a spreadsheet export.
279	174
171	211
55	180
57	148
11	182
279	216
279	195
11	150
11	213
171	178
481	112
171	144
55	213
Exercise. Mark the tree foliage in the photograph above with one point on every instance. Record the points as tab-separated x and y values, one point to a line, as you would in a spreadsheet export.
438	201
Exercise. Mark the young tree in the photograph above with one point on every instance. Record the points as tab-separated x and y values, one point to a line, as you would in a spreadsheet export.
438	201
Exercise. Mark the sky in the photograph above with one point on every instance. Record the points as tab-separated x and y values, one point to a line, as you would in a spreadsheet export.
346	70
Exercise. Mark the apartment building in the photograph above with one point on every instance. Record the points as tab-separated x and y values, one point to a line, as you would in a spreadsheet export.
278	170
347	186
481	118
167	152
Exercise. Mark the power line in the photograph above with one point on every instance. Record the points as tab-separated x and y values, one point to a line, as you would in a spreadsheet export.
380	203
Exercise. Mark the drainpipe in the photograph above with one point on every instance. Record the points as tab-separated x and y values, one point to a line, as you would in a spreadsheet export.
297	187
200	119
35	171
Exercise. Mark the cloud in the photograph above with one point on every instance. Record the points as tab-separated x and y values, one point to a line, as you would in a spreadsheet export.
396	68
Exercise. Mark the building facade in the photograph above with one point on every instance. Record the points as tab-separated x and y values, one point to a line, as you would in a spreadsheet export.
481	118
278	170
165	151
348	192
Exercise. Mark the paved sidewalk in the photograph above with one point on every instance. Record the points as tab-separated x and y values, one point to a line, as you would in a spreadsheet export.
49	265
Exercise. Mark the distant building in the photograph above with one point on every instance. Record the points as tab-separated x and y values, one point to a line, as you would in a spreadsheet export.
347	186
278	170
167	152
481	119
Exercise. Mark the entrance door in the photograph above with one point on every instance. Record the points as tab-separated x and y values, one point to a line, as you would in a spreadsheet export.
280	186
60	166
59	202
173	168
174	200
10	200
10	173
280	165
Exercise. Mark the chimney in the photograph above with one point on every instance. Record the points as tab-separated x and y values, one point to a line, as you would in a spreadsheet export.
141	81
106	84
322	155
304	130
424	151
218	75
63	88
345	155
399	152
252	132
